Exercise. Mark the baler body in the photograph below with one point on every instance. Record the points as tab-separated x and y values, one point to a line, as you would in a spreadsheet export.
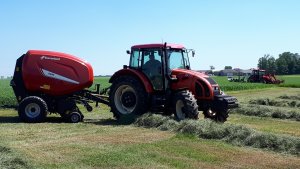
52	73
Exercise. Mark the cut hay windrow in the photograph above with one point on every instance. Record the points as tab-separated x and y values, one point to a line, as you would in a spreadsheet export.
234	134
290	97
8	159
267	111
276	102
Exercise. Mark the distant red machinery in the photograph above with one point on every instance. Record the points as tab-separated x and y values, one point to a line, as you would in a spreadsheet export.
260	76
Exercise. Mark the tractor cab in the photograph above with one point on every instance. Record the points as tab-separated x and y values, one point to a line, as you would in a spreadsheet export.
257	75
157	61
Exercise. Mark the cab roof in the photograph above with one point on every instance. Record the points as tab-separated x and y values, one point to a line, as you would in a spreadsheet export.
158	45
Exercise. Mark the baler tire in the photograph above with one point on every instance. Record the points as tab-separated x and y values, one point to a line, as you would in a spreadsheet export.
128	99
75	117
184	105
32	109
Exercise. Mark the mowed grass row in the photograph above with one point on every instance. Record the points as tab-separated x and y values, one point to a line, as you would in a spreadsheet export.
275	102
10	159
233	134
282	107
267	111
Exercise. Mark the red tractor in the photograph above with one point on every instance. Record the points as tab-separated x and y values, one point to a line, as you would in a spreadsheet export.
260	76
157	79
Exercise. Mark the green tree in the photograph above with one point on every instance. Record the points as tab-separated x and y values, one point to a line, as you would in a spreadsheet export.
263	62
297	67
282	66
228	67
212	68
271	65
286	63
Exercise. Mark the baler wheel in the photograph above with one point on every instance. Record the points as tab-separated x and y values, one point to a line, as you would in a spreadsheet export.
75	117
32	109
127	98
185	105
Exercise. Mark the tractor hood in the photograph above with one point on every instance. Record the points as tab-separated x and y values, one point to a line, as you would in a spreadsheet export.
200	84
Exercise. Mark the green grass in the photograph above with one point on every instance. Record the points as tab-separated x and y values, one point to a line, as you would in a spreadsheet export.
9	159
7	96
226	85
290	81
265	124
103	81
100	143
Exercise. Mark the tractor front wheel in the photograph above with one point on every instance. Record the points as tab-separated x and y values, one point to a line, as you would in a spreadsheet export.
128	99
32	109
218	116
185	105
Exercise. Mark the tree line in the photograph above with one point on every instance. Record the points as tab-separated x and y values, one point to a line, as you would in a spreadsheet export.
286	63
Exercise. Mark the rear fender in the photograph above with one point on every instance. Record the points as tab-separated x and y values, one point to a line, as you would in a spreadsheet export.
140	76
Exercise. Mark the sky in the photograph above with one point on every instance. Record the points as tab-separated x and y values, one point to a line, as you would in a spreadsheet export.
223	32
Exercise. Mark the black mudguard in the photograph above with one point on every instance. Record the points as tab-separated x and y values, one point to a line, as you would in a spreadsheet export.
224	102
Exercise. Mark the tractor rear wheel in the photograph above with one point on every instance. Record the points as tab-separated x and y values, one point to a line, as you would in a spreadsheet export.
32	109
218	116
127	98
185	105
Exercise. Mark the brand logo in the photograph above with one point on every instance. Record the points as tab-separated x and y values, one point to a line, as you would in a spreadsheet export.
49	58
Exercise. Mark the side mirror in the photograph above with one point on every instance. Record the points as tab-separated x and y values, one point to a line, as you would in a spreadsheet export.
128	52
193	53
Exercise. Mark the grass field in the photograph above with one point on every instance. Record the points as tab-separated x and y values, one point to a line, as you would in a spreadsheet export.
237	86
99	142
7	96
290	81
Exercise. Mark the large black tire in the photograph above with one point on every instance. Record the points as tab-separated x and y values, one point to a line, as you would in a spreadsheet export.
218	116
184	105
32	109
128	99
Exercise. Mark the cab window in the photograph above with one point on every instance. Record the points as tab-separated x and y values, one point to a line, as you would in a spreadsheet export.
135	60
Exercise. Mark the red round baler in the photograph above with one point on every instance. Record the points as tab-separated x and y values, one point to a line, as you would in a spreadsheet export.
55	73
46	81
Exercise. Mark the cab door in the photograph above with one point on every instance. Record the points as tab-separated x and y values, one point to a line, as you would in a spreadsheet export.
152	67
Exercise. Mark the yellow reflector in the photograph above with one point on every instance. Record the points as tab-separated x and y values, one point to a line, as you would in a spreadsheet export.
47	87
